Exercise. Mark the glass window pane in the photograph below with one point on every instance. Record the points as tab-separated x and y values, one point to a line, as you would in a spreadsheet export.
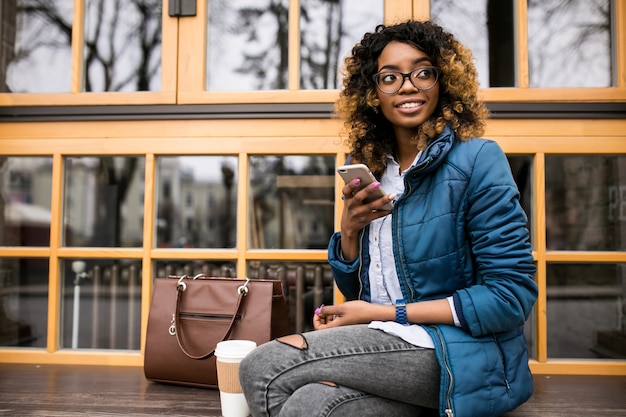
569	43
247	42
586	202
36	46
122	46
291	202
23	302
487	29
101	304
329	30
212	268
521	167
25	192
196	201
102	204
585	310
530	333
306	285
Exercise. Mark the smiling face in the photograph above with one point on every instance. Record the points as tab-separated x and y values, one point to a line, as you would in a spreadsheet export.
409	107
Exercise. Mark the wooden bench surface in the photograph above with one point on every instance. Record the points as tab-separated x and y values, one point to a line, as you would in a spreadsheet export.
57	390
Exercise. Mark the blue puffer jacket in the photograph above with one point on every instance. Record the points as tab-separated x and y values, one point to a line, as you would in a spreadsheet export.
459	230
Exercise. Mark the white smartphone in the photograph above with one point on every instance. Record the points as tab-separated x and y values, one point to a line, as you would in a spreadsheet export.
362	172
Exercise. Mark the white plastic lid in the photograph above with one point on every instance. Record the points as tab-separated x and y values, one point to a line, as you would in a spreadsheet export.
234	349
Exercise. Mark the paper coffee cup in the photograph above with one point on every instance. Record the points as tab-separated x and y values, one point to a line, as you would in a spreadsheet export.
228	354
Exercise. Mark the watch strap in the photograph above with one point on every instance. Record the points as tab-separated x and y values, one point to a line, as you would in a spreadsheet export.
401	312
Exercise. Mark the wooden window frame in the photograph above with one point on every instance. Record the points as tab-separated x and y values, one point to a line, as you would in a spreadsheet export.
525	121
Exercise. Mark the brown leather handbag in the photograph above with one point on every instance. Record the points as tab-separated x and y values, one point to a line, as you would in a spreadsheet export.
190	315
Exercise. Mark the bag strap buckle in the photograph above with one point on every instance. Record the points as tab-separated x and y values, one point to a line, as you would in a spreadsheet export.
181	285
243	289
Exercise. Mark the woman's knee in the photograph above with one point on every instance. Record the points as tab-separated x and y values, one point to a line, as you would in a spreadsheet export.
261	362
252	366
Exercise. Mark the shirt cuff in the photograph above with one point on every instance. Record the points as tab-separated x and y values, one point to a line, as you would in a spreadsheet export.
457	322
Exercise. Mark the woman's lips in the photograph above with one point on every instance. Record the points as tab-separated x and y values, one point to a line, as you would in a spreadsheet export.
410	106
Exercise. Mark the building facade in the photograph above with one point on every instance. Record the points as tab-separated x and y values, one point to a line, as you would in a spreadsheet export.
146	138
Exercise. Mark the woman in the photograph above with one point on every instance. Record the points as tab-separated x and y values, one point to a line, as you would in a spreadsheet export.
438	288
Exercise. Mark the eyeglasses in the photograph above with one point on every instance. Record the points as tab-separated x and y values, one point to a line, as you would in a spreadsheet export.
390	82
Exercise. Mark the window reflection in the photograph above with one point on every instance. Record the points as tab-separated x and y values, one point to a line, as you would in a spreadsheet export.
102	206
521	167
306	285
212	268
586	202
101	304
25	192
291	201
36	46
247	43
569	43
530	333
329	30
585	310
122	46
23	302
486	27
196	202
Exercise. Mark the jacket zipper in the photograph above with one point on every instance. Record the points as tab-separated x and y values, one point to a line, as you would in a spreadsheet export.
449	412
407	191
362	235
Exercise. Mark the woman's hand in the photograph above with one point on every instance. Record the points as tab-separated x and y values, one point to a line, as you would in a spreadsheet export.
356	214
351	312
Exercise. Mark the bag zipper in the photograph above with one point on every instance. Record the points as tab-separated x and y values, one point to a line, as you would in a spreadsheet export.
203	316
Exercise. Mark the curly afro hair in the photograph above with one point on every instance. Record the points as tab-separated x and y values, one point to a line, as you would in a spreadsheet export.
368	131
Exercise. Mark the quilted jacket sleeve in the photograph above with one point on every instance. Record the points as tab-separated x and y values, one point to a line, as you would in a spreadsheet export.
505	291
345	272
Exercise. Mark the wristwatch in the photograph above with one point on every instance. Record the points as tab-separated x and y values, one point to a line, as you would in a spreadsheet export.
401	312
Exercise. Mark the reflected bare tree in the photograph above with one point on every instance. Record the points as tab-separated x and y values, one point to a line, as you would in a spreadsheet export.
320	58
269	66
565	35
3	201
121	49
54	34
114	177
227	223
108	42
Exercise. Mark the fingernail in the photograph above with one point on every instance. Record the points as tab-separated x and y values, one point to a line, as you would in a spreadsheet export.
357	181
376	185
318	310
392	196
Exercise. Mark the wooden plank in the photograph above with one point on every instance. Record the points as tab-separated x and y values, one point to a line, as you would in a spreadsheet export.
57	390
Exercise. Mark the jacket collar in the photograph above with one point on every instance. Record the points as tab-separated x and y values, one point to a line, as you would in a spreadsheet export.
435	152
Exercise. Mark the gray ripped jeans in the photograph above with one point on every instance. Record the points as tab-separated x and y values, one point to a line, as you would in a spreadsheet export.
344	371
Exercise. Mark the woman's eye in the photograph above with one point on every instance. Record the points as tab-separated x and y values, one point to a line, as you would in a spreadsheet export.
424	73
388	78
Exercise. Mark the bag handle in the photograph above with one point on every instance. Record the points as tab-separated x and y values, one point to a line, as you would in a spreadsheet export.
175	328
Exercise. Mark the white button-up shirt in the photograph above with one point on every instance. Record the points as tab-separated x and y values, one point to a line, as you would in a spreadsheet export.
384	284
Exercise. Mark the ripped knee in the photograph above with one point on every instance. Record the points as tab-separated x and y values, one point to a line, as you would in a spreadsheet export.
296	340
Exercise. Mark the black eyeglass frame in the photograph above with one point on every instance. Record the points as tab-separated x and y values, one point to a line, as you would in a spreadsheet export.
405	76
